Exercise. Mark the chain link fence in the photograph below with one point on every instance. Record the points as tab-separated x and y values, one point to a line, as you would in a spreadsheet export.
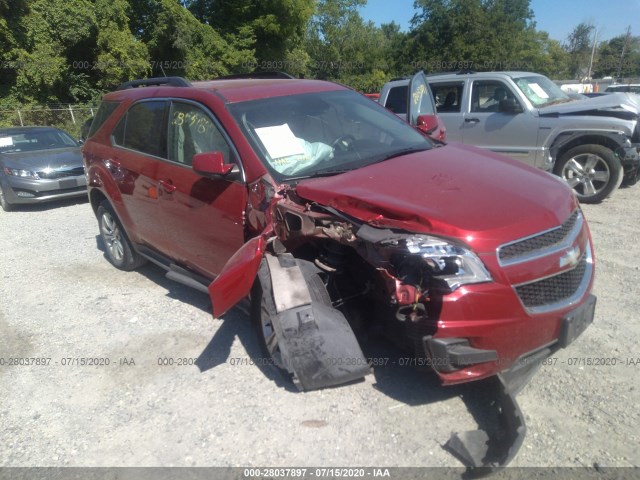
69	118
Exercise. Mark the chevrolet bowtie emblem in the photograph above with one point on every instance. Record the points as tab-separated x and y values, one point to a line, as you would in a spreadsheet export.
571	258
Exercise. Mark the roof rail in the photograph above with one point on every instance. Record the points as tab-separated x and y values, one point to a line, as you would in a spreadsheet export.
257	75
158	81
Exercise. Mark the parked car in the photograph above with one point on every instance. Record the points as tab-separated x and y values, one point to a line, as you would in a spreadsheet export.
337	218
39	164
592	144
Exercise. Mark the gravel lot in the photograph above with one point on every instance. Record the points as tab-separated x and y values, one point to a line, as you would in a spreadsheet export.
60	299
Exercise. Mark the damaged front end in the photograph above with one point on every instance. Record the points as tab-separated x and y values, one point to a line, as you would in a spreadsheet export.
325	278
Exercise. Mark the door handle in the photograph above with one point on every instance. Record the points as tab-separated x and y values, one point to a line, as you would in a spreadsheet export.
168	186
472	120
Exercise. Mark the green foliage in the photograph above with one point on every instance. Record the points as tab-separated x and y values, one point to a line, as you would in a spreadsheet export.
619	57
71	51
119	56
345	48
273	28
474	34
578	47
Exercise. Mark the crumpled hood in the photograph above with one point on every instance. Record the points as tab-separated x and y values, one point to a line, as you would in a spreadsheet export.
621	105
458	191
40	159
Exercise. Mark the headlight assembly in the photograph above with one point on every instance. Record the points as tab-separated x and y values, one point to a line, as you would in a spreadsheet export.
15	172
451	263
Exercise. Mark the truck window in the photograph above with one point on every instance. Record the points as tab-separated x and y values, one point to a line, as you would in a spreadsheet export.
486	95
397	99
448	97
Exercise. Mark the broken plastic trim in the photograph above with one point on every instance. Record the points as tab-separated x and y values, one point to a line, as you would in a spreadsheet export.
451	354
316	342
483	451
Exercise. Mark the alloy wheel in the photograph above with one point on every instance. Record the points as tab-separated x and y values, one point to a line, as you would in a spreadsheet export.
586	173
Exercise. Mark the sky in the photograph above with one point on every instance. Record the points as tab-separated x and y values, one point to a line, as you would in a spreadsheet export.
557	17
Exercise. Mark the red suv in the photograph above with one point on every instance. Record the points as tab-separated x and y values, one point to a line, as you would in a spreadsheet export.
336	217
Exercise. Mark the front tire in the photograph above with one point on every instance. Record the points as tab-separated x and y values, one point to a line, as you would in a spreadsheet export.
263	309
118	248
4	203
592	171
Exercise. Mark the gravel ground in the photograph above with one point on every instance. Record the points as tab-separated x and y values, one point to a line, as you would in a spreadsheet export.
60	299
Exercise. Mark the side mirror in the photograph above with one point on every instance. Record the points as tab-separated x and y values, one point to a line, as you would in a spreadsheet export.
427	123
211	164
510	105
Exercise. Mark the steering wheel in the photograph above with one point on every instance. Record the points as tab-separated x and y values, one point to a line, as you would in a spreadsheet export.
343	143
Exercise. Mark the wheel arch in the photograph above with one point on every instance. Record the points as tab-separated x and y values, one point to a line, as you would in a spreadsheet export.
96	197
565	141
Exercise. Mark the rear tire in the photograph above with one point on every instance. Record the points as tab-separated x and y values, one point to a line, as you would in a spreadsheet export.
118	249
4	203
592	171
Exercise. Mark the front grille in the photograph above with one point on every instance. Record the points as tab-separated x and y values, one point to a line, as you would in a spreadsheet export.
538	244
553	290
55	174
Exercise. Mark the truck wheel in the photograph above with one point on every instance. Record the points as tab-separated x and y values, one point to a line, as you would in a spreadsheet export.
263	310
118	248
593	171
6	206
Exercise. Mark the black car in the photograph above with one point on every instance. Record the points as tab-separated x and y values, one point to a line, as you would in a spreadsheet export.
39	164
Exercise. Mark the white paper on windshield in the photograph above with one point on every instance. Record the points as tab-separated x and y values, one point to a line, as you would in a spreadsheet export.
280	141
537	89
6	141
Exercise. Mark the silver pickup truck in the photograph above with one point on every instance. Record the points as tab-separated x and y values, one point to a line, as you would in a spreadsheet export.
593	143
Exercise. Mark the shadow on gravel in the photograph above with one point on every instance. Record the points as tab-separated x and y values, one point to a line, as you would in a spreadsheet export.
237	323
394	370
175	290
401	380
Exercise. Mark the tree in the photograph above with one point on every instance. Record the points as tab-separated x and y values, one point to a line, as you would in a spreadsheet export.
475	34
119	56
345	48
179	44
619	57
49	36
273	28
549	58
579	45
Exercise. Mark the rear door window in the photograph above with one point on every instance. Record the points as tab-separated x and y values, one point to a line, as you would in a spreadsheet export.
448	97
143	128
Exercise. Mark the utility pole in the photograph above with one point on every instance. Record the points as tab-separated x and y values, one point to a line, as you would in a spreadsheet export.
593	52
624	46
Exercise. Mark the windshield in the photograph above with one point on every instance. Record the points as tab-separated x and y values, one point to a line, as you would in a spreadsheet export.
324	133
29	141
541	91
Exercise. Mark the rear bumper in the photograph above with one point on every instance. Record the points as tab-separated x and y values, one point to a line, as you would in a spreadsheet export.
28	191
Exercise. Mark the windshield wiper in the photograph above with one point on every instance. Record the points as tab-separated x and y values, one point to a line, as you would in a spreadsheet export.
404	151
557	101
319	173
